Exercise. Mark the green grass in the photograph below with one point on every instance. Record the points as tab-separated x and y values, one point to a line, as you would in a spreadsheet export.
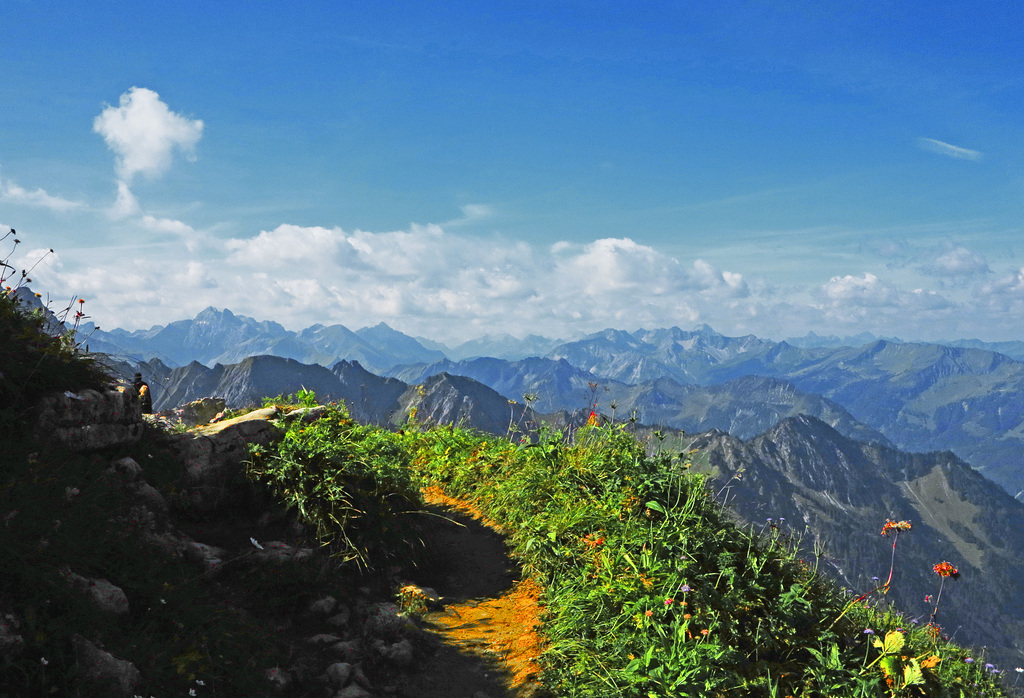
651	590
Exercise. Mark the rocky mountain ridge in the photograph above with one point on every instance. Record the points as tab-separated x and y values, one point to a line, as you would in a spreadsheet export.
917	396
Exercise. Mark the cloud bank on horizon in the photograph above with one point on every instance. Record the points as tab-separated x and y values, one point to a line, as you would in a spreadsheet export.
430	280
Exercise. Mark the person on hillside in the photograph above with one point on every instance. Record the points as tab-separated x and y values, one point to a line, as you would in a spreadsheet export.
145	396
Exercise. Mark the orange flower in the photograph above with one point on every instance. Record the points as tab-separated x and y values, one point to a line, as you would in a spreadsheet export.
944	569
592	419
895	526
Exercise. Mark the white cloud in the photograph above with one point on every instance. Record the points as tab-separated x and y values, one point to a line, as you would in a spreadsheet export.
869	302
12	193
429	281
126	204
144	133
956	262
948	150
187	233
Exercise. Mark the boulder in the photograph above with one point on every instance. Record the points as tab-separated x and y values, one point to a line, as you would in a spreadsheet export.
200	411
214	458
91	419
105	596
102	674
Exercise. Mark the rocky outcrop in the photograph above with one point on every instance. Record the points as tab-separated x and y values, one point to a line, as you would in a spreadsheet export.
101	673
90	420
214	458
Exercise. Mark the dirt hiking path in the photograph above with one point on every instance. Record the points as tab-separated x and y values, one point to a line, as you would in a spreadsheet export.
484	640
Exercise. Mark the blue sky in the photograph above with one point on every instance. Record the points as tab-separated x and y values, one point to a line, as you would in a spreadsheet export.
455	169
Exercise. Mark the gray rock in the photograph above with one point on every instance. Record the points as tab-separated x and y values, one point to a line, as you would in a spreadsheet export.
323	607
323	639
11	643
200	411
278	553
104	595
341	618
306	414
353	691
214	456
397	654
209	556
280	679
349	650
339	673
386	621
92	419
101	673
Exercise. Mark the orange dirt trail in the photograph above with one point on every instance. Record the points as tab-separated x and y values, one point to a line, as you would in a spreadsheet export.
488	627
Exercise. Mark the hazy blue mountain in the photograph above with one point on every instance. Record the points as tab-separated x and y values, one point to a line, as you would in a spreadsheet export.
1015	350
920	396
743	407
401	348
557	384
843	491
812	340
503	346
219	336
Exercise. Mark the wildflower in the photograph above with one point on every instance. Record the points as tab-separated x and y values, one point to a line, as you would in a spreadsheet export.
648	613
897	526
968	660
1019	670
685	589
200	682
191	691
253	541
869	631
70	493
927	598
687	616
669	602
705	631
944	569
990	667
44	661
592	419
81	300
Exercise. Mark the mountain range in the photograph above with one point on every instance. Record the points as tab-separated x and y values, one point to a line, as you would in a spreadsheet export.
914	396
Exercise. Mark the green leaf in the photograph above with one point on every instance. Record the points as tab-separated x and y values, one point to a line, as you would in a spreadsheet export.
655	507
912	674
894	641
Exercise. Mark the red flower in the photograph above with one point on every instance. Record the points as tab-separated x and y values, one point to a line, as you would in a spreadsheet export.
944	569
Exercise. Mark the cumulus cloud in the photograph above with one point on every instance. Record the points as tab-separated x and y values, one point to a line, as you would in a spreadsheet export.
1004	296
956	262
948	150
12	193
868	300
425	277
144	133
185	232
